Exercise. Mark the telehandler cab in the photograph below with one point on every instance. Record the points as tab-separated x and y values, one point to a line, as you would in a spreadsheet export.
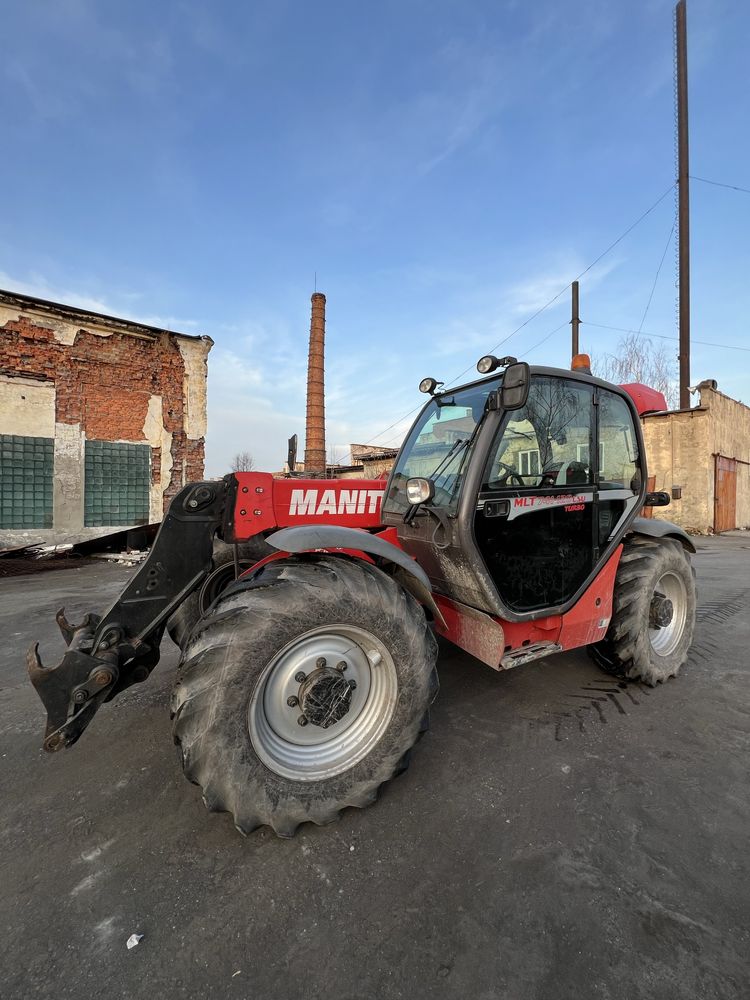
305	610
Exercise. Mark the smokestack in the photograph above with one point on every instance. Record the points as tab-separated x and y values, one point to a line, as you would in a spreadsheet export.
315	430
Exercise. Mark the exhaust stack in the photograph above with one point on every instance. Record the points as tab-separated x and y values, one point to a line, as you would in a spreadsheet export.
315	428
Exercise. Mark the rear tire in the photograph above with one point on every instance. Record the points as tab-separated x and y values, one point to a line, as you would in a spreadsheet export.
653	612
283	637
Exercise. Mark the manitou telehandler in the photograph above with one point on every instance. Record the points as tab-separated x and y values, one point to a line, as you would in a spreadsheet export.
305	610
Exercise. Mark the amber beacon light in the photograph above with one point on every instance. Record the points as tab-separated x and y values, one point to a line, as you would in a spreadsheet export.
581	363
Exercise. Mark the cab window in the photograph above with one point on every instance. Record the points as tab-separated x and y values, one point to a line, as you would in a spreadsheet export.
619	463
547	442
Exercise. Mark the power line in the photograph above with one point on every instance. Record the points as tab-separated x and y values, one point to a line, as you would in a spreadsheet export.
554	299
564	289
545	339
663	336
732	187
658	272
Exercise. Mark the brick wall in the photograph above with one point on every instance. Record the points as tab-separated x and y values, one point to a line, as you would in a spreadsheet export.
105	384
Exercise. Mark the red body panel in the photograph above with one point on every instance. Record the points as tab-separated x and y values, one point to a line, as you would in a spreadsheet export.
490	638
265	503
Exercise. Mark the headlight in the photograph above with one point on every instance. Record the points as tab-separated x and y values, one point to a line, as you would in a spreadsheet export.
419	491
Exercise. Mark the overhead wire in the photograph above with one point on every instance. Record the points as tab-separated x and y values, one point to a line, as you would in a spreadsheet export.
546	306
732	187
526	353
656	278
578	277
664	336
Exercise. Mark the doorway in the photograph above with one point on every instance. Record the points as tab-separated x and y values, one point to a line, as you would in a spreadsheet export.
725	494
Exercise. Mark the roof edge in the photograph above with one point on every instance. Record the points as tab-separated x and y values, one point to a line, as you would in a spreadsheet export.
20	300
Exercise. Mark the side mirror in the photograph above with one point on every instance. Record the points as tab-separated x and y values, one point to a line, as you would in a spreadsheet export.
515	388
659	499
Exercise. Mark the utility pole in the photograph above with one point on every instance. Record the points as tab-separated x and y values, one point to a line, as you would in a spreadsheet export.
575	319
683	202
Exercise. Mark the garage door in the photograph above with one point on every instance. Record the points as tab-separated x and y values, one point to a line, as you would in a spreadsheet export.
725	494
26	470
116	488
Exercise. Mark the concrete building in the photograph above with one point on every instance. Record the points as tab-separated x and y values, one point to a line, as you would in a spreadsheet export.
702	455
374	460
102	420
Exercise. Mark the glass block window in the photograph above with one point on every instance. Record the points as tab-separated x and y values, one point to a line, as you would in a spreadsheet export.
116	488
26	473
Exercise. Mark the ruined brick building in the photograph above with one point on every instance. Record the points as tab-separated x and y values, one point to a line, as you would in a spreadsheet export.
102	420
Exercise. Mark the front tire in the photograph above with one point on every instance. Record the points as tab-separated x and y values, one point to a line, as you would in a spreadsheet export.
653	612
181	622
265	714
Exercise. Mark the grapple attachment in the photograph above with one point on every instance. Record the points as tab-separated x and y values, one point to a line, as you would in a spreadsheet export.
72	691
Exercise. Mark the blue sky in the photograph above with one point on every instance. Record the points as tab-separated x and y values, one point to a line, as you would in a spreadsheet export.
444	167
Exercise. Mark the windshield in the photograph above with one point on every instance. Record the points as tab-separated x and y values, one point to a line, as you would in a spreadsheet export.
438	447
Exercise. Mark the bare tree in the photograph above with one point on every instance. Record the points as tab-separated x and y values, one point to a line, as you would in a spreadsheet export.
242	462
637	360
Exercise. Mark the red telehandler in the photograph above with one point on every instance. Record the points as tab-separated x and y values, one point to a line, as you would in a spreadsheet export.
306	610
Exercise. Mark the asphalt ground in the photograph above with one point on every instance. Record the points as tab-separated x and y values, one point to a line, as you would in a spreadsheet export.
557	835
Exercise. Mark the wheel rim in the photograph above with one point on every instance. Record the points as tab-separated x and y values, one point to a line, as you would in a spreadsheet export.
665	638
344	721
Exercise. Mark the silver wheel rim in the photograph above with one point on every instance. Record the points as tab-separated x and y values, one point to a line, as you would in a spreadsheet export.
310	752
665	640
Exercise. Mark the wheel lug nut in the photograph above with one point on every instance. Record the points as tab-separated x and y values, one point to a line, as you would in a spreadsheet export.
302	720
342	665
292	701
352	684
299	677
320	662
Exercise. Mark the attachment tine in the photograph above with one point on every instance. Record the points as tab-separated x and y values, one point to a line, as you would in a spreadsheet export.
65	627
33	661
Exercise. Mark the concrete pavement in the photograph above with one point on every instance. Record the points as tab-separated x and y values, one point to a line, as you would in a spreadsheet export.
557	835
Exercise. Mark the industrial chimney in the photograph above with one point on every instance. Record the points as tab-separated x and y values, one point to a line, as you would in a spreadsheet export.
315	430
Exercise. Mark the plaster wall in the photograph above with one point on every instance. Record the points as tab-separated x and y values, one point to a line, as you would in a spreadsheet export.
680	449
27	407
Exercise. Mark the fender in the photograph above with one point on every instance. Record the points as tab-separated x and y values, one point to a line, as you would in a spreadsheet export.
311	538
654	528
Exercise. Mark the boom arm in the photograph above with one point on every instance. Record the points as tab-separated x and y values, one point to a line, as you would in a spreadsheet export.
110	653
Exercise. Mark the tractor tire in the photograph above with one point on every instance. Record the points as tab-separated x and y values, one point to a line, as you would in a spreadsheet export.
182	621
266	716
653	612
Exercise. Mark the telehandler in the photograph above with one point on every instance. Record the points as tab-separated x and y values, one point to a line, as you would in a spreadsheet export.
306	610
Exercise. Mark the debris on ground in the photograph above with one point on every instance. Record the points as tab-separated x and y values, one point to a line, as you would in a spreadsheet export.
133	940
125	547
122	558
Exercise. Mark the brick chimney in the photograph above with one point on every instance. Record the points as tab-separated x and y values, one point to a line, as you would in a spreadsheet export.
315	430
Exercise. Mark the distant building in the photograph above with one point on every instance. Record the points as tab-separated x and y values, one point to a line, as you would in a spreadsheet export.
102	420
367	462
702	457
374	460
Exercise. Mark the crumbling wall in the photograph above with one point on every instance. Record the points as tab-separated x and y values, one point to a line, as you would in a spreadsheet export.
111	385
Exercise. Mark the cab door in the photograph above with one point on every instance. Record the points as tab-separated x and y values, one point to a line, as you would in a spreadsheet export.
561	475
534	522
